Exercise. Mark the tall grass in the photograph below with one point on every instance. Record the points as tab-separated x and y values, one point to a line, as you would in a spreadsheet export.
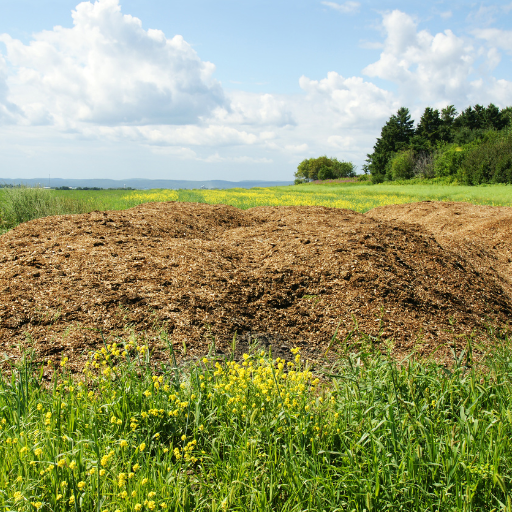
21	204
258	435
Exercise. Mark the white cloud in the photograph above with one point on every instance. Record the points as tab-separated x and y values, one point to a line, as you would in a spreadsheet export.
348	7
446	15
429	68
108	70
496	37
353	101
8	111
255	109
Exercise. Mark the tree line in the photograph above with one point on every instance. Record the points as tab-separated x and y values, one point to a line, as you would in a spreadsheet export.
472	147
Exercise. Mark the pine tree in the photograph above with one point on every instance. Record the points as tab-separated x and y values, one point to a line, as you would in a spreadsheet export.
395	136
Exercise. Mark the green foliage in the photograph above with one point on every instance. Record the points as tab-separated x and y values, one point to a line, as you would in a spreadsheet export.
444	144
402	165
448	159
323	168
395	136
489	161
259	434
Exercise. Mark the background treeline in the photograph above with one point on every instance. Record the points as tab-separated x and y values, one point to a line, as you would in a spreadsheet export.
323	168
471	147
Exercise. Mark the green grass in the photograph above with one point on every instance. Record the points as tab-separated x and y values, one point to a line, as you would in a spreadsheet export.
261	435
22	204
357	196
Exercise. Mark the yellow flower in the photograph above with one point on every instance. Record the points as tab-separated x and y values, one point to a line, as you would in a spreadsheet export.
163	505
144	481
72	465
61	463
123	444
17	496
136	467
152	494
142	447
183	437
39	407
151	505
102	472
59	496
37	504
38	452
147	393
24	450
81	485
92	471
137	507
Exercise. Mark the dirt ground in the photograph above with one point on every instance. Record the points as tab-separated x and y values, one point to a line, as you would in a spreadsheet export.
422	274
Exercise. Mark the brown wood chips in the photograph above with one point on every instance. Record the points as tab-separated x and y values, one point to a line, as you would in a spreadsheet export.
416	273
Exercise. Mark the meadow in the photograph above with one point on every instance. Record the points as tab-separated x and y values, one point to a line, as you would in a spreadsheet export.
20	205
360	197
362	433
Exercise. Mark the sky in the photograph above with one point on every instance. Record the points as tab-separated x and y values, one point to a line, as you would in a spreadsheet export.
232	89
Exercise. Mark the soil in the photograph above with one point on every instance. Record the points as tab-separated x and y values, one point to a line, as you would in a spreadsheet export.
416	277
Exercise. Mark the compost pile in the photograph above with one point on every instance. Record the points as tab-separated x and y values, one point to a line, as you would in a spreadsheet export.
286	276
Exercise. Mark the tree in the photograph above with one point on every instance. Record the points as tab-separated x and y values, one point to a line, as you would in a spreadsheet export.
429	127
395	136
323	168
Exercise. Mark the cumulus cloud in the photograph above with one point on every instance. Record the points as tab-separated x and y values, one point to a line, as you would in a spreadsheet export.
108	70
8	111
255	109
431	68
348	7
353	101
496	37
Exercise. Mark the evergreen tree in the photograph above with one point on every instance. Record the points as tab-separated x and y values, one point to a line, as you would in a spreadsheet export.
428	131
395	136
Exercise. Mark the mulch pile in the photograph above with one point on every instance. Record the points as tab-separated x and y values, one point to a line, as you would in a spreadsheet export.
287	276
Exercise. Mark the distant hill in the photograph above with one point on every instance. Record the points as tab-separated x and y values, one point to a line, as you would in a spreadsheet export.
139	183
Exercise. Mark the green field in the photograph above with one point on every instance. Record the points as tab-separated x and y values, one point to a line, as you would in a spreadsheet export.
20	205
359	197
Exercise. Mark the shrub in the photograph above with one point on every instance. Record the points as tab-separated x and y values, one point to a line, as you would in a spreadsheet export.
402	165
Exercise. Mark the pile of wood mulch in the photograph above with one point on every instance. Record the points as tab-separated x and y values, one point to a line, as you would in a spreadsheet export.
421	276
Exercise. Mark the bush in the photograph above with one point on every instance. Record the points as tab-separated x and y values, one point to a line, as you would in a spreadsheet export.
489	161
402	165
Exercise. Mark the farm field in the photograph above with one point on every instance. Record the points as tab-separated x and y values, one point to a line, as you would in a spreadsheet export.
190	356
359	197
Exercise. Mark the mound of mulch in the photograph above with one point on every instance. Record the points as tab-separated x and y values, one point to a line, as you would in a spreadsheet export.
285	275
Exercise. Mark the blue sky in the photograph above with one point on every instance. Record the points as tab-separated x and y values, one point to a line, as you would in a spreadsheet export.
231	89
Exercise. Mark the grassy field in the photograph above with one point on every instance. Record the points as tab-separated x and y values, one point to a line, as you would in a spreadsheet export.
358	197
257	435
20	205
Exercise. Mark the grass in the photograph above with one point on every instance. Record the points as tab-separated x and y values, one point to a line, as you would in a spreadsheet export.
257	435
21	204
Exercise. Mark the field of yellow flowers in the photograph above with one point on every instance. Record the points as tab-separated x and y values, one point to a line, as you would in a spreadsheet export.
360	197
256	434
